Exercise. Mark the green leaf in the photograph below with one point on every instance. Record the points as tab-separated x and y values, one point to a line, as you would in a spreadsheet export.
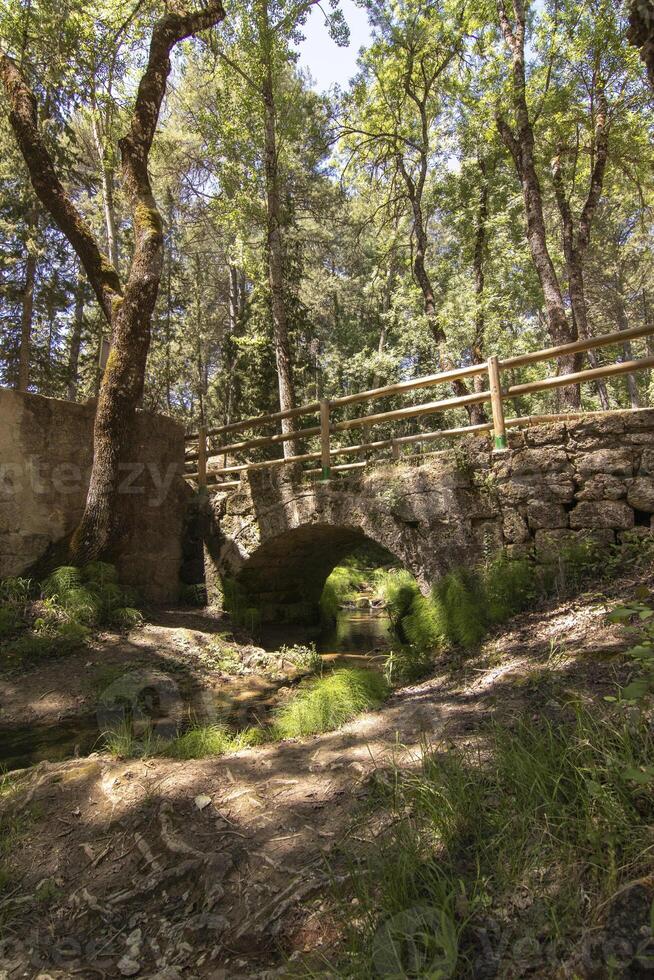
641	652
636	690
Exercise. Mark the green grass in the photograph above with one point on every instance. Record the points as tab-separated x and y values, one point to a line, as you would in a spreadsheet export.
329	702
123	742
550	814
57	617
206	741
340	587
397	588
465	603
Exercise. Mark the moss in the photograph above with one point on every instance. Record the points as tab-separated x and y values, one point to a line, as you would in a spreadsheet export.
148	219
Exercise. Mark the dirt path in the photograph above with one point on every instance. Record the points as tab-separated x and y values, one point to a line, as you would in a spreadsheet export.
217	868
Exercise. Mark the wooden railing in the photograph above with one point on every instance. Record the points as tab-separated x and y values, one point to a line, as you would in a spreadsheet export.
200	448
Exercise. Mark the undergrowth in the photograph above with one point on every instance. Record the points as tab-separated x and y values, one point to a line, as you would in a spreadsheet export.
57	616
539	833
341	586
465	603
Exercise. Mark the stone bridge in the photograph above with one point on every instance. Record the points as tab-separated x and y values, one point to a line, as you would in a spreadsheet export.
278	537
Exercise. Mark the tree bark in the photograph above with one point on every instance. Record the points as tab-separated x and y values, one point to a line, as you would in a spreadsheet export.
27	310
75	341
107	183
641	32
275	243
478	412
521	146
623	324
128	312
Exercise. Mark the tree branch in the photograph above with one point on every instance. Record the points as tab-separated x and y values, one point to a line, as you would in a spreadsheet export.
23	117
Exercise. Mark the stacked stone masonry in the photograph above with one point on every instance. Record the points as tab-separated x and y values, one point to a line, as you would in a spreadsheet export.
279	536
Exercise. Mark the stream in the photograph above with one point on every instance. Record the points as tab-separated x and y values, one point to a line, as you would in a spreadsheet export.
359	638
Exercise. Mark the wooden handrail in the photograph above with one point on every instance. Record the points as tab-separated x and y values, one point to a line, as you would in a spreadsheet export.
496	394
442	377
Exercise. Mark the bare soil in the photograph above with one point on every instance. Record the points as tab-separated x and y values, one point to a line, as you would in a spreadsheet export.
222	868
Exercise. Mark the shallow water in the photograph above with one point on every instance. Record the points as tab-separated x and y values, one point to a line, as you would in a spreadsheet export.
359	638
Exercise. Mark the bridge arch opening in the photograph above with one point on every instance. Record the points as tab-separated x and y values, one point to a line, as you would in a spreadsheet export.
284	578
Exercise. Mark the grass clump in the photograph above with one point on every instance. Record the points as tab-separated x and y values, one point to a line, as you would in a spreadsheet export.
207	741
329	702
200	742
303	657
397	588
125	742
547	815
57	617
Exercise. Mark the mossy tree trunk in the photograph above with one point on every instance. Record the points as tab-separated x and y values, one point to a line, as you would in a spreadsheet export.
128	310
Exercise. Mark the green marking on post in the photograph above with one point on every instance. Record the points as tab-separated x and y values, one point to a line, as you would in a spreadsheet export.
500	442
326	473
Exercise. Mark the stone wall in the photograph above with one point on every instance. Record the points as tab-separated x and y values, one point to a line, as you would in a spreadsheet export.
279	536
45	461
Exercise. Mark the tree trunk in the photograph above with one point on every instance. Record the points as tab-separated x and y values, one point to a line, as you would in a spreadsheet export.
76	340
478	412
128	312
574	267
521	147
27	310
107	181
641	32
275	244
623	324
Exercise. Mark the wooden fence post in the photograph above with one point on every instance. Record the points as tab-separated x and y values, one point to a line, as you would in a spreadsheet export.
499	428
325	451
202	459
395	449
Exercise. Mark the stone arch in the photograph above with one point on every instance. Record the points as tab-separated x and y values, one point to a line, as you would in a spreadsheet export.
284	577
